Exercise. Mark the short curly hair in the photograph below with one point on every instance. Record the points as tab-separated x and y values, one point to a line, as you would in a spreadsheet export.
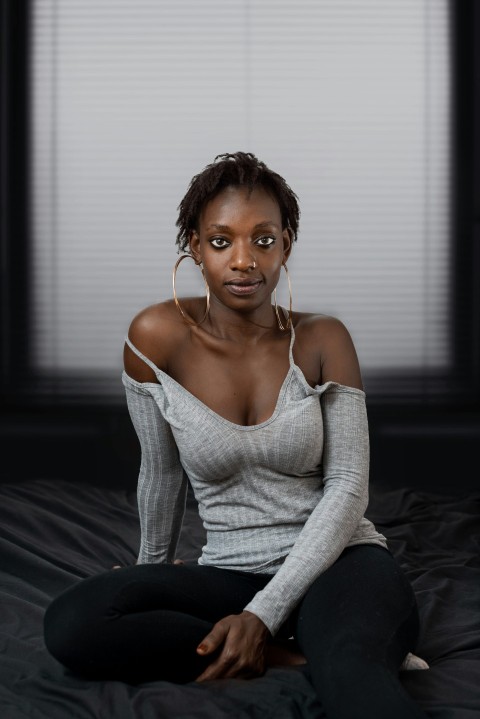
240	169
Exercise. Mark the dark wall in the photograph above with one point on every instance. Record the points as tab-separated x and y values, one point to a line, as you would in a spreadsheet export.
417	443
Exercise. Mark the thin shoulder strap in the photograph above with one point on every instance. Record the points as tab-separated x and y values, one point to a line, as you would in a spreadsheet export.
142	356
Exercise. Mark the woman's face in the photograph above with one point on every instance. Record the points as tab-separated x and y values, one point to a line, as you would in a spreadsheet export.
242	246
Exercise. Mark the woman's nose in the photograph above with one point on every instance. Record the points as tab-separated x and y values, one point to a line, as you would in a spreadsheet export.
242	259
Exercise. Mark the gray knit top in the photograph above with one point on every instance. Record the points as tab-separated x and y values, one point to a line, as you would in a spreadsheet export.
283	497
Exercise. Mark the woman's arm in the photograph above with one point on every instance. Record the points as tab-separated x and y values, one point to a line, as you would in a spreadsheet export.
162	483
345	464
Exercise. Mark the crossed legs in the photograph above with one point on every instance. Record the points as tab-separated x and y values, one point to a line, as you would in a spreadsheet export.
355	625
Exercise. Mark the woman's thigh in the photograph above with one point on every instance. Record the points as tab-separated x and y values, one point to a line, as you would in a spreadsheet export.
363	601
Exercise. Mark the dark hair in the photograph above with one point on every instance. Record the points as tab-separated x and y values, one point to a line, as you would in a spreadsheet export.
238	169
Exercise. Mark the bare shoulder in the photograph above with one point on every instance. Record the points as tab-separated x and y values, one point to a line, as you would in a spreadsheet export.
322	328
329	339
154	331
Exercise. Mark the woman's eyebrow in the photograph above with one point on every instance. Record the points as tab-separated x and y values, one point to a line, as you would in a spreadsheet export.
267	223
222	228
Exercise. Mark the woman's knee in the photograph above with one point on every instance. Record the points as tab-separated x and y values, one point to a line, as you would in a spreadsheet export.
363	602
73	621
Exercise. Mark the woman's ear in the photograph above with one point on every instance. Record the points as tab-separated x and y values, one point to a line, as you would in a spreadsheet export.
194	244
287	243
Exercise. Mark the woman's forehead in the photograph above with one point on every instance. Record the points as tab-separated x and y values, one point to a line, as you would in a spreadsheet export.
239	203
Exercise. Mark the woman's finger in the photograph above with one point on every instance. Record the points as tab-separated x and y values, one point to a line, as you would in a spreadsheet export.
213	640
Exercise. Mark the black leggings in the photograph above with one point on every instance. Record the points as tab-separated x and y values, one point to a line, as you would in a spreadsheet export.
355	625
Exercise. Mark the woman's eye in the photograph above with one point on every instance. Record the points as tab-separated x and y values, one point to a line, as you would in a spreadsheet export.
219	242
265	241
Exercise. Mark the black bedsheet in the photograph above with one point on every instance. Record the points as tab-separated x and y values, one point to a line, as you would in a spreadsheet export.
53	533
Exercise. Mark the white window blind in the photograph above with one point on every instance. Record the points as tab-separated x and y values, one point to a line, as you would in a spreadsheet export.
347	99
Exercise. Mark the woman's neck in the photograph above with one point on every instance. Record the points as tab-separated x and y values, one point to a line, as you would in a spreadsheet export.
241	328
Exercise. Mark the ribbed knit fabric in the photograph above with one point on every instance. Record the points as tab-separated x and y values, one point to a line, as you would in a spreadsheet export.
283	497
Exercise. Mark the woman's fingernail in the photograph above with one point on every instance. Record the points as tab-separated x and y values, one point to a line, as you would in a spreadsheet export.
201	648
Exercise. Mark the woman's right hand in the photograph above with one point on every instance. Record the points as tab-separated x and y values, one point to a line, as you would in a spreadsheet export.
241	641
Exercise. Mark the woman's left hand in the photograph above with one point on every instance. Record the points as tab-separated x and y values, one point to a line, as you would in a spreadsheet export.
242	639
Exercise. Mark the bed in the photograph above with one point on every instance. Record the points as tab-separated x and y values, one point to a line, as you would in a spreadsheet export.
55	532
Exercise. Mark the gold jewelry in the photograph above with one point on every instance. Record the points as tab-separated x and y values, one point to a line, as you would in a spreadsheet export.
175	298
289	321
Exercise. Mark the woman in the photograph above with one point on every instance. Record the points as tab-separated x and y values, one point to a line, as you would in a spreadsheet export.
263	411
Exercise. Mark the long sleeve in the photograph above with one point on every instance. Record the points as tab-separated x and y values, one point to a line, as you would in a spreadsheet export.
162	483
334	520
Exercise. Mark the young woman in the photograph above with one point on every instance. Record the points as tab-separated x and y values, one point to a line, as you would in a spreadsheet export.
263	411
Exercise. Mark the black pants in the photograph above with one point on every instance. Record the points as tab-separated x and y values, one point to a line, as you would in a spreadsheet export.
355	625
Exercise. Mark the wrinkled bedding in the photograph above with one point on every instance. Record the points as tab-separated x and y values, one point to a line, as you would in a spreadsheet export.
53	533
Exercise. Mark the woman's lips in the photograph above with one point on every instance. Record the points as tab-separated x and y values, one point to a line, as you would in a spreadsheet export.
243	288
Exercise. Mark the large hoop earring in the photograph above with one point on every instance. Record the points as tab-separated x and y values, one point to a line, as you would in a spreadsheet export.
175	298
289	321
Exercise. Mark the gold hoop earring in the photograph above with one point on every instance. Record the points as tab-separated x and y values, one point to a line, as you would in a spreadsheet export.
175	298
289	321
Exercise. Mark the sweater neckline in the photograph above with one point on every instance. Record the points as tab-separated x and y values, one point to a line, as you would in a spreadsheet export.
188	396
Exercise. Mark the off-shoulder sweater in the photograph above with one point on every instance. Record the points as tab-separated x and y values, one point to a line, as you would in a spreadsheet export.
284	497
